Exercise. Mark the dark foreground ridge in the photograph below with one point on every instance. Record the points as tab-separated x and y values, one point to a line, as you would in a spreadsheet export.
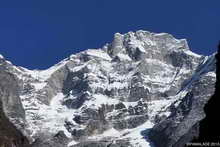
10	136
210	125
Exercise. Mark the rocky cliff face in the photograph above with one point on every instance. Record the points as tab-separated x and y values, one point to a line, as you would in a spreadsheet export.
209	130
12	114
143	89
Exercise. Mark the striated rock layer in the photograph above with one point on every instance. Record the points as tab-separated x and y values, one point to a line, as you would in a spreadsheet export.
143	89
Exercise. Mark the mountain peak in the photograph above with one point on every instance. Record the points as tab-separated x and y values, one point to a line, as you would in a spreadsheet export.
114	93
144	42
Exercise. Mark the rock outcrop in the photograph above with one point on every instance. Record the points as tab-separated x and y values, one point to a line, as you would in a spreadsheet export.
11	107
209	130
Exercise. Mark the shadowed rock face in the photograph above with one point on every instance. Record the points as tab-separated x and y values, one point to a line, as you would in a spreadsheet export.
209	130
58	140
108	97
10	95
10	136
10	104
183	123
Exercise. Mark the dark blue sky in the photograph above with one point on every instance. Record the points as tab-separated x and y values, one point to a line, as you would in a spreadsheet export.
39	33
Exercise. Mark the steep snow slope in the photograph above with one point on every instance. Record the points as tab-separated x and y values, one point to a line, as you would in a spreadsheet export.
113	95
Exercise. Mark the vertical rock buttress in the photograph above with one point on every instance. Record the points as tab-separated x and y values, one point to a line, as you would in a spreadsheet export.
10	136
210	126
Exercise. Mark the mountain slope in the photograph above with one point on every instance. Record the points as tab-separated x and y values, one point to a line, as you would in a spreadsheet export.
10	106
115	95
209	126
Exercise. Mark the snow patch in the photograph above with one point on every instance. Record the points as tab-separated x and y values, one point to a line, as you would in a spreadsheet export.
137	44
1	57
9	62
99	99
138	135
98	53
39	86
212	74
78	68
72	143
43	75
124	57
188	52
44	118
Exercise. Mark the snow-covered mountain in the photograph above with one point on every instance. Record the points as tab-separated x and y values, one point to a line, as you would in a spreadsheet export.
143	89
